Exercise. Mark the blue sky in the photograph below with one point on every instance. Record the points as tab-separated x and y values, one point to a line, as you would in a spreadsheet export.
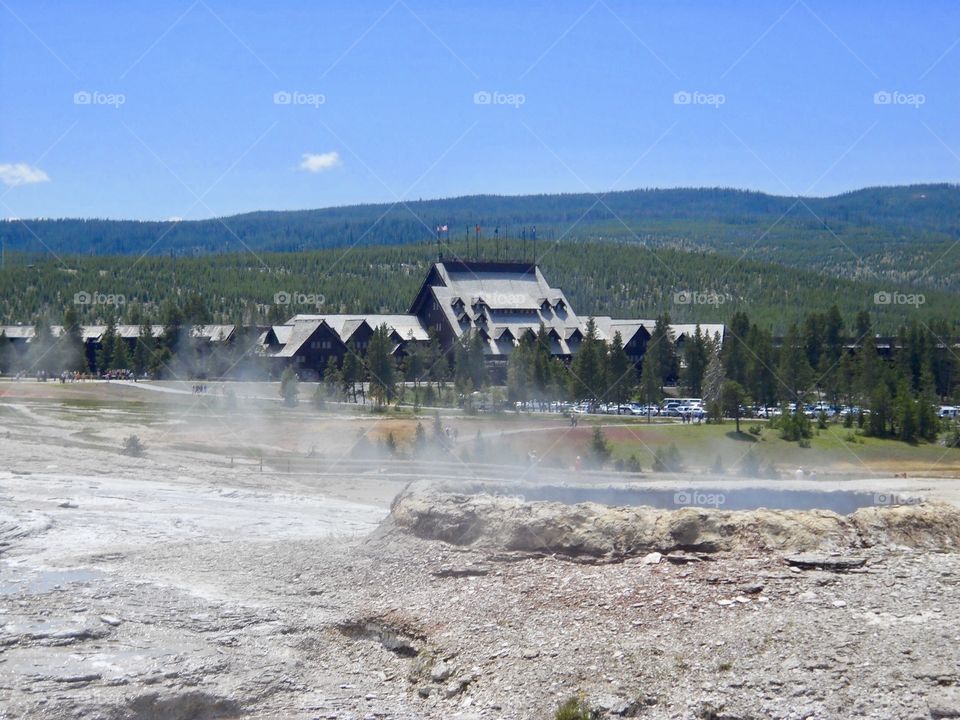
177	109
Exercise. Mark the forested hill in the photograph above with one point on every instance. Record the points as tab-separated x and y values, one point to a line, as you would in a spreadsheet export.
903	234
601	278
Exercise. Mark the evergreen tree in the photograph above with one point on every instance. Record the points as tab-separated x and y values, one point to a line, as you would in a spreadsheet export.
108	345
414	368
880	411
519	371
462	382
928	422
120	357
620	371
662	343
381	367
352	372
41	355
144	348
734	354
762	379
905	414
732	396
650	390
477	361
713	380
795	372
543	377
7	359
868	361
588	370
419	439
332	378
696	357
73	356
289	386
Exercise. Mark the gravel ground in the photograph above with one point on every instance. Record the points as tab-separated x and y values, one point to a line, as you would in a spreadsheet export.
179	587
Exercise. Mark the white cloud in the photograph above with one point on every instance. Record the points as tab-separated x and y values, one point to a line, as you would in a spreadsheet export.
12	174
319	162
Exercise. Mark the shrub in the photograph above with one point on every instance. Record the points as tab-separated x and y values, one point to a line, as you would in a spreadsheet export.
953	439
717	467
320	397
852	437
667	460
848	420
633	464
133	447
755	429
750	466
599	447
794	426
575	709
390	444
714	413
289	387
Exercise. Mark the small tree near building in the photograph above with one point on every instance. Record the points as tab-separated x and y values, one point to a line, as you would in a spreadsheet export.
732	396
289	387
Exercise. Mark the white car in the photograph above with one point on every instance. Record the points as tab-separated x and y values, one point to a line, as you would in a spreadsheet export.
694	411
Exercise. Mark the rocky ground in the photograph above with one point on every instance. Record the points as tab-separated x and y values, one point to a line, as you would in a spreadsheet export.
182	587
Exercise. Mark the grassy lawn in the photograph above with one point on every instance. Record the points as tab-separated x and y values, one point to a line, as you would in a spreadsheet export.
835	448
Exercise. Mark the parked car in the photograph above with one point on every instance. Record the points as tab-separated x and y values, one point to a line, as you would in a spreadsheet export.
694	411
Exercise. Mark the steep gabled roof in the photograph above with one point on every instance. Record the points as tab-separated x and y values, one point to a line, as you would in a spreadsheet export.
301	333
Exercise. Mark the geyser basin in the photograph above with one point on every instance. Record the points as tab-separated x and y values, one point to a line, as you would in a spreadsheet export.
721	498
